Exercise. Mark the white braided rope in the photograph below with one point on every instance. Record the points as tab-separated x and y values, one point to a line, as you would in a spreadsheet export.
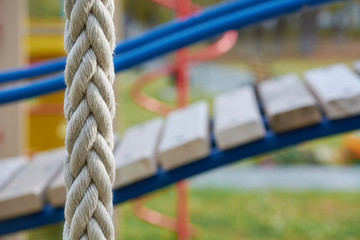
89	109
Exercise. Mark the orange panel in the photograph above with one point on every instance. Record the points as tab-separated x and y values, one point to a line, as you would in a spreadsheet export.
352	144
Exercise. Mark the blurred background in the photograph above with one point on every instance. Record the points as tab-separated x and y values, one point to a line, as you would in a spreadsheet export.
308	191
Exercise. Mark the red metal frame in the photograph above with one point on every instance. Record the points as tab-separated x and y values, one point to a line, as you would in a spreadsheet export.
223	45
183	9
180	69
155	218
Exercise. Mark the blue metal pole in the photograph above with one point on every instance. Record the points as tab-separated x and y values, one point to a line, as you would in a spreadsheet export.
32	89
149	36
237	19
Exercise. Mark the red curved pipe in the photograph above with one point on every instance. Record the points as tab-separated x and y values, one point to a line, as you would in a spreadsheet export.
223	45
155	218
182	224
226	42
172	5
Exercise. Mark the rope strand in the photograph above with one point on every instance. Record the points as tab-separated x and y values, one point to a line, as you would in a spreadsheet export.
89	109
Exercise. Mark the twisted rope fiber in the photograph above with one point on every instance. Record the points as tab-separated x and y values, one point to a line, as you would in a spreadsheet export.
89	109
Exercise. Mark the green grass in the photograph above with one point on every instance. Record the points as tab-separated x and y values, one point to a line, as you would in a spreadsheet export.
284	65
300	65
235	215
222	215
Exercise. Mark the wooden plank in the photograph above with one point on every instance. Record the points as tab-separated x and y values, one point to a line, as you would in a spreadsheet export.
135	156
16	236
356	66
12	33
288	104
186	136
12	127
12	29
237	118
9	168
11	130
56	193
337	89
24	195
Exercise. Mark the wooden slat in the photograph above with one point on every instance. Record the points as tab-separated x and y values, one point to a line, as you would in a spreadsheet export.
9	168
12	116
288	103
56	193
337	88
185	137
24	195
16	236
237	118
356	66
135	156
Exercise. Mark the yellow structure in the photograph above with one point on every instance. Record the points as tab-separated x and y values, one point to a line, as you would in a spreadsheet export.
45	39
46	123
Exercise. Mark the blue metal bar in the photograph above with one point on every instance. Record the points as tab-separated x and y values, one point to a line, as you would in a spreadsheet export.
218	158
175	26
154	34
36	70
235	20
194	34
33	89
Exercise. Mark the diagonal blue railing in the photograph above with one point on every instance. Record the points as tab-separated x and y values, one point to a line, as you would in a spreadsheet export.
242	17
147	37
